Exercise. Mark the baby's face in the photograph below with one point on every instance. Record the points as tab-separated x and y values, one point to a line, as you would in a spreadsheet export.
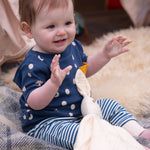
54	29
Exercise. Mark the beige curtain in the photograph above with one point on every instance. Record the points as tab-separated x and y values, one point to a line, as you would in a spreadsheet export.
138	11
13	42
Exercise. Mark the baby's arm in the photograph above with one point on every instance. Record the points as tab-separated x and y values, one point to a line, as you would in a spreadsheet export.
112	48
42	96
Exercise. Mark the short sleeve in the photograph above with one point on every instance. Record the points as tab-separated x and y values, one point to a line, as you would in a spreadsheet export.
83	56
30	76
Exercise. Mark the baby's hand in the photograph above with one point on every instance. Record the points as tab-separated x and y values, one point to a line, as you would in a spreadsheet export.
116	46
58	74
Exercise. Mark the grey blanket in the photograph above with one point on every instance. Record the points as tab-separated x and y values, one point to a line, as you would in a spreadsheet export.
11	136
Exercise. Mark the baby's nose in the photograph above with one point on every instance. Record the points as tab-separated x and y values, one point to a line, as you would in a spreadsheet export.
61	31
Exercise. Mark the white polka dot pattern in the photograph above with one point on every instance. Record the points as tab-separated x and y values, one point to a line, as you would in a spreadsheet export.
73	106
67	91
64	103
70	114
30	66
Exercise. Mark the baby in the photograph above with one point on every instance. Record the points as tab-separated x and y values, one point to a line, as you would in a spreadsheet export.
50	101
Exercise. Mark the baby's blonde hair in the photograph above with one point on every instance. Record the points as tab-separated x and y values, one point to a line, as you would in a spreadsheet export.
28	11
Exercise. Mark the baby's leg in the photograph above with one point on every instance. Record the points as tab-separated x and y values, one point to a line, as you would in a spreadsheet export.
58	131
114	113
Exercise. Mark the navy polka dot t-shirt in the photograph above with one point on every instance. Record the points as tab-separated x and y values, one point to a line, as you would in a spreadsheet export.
34	71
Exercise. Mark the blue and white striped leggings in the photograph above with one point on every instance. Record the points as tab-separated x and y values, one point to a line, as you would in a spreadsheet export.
63	131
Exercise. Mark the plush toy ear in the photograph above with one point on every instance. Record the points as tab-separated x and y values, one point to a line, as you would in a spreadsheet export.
88	105
27	29
82	83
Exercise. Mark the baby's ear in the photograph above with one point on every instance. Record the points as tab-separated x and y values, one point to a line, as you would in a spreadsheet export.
27	29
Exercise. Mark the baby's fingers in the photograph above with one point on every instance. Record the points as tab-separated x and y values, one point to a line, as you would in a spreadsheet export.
121	39
55	62
67	69
125	43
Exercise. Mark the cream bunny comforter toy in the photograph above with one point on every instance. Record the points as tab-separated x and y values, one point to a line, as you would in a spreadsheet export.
94	132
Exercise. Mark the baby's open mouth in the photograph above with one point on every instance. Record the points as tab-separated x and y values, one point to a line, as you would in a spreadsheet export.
60	41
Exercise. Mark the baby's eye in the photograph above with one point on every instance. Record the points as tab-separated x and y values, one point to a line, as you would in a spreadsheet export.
68	23
51	26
